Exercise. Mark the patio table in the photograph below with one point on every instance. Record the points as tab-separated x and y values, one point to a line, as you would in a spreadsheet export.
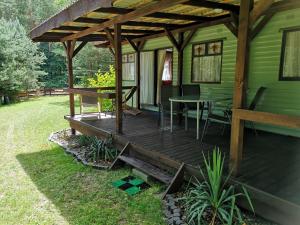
191	99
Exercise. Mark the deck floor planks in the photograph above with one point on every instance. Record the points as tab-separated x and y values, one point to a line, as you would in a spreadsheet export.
270	161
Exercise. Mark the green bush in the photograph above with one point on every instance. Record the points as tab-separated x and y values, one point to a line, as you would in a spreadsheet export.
213	201
107	79
100	150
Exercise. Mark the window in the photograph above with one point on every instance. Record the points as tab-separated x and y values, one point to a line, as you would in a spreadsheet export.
207	62
290	55
128	66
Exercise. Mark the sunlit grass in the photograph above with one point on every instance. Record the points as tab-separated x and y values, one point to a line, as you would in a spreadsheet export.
40	184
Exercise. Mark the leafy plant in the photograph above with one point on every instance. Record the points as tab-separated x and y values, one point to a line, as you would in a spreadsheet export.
107	79
101	150
84	140
213	201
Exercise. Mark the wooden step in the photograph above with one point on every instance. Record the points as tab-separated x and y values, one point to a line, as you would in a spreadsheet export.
147	168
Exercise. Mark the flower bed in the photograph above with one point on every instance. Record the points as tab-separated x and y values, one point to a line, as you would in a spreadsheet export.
85	149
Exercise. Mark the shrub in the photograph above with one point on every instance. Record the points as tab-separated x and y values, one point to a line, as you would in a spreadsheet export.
100	79
213	201
101	150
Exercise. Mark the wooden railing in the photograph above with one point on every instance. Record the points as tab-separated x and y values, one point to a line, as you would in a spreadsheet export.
93	92
268	118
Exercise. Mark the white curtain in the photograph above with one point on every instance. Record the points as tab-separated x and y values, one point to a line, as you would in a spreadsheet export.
147	78
160	70
291	66
207	68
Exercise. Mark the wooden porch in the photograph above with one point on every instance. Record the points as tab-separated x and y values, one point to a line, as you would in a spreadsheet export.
270	161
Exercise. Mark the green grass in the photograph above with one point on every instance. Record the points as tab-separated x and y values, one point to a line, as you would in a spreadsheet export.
40	184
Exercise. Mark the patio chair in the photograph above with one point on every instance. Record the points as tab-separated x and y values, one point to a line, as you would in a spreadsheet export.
226	118
130	109
164	107
89	101
192	90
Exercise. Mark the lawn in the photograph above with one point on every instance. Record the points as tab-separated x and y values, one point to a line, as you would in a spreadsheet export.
40	184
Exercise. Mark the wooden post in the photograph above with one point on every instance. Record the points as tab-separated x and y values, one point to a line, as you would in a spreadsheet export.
69	50
118	65
180	62
137	48
237	129
138	77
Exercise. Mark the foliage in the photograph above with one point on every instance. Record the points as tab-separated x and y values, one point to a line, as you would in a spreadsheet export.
40	184
54	66
211	201
31	13
20	60
100	149
90	60
107	79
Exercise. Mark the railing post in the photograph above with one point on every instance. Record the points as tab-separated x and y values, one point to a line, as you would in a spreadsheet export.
237	128
118	61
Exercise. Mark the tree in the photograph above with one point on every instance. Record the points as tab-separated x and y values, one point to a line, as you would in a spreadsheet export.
54	66
20	59
90	60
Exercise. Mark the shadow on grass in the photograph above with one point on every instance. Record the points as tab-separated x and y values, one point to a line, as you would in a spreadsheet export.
84	195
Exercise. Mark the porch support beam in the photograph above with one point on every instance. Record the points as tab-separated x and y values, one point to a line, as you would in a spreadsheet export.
138	47
180	46
233	29
77	50
237	127
110	37
258	28
69	47
259	9
118	65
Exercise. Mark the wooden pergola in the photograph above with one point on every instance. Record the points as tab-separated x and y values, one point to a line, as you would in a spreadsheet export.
111	23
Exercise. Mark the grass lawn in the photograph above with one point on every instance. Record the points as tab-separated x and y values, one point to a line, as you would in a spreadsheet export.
40	184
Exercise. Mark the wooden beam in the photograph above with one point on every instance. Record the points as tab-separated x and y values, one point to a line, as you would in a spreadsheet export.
268	118
259	9
74	11
180	66
187	27
172	39
77	50
75	28
129	23
213	5
110	37
143	11
232	28
111	50
188	39
257	29
133	45
69	52
161	15
176	182
118	68
241	70
283	5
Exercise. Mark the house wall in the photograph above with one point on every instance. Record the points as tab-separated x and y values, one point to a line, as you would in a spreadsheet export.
282	97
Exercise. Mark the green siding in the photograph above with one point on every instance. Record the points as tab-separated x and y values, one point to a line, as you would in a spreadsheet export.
281	97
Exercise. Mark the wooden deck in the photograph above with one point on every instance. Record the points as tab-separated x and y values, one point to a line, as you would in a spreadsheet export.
270	161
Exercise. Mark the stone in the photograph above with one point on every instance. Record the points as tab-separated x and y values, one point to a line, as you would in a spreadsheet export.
177	210
176	214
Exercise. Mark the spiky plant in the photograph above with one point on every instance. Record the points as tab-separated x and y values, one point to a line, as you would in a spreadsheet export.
213	201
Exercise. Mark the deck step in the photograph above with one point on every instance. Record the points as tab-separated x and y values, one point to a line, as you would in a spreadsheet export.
147	168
